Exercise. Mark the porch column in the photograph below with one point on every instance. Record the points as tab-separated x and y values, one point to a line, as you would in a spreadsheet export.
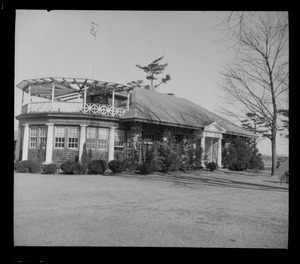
219	159
113	102
49	143
84	99
128	100
29	99
203	150
82	139
209	149
25	142
52	98
111	145
17	153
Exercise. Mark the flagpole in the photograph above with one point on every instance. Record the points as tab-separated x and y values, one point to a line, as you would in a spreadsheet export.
95	57
94	31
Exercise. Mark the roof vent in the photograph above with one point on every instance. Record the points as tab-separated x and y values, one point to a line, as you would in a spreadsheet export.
170	94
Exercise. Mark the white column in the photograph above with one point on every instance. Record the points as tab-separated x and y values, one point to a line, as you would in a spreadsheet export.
219	160
113	102
203	150
209	149
82	139
84	99
111	145
25	142
52	98
128	100
29	99
49	143
17	153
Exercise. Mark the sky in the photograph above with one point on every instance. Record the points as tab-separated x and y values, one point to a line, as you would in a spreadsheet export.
59	44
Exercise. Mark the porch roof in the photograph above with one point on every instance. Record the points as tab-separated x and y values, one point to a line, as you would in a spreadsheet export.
154	107
68	88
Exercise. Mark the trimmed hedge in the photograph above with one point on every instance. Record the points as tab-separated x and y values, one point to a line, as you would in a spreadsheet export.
31	166
71	167
97	167
115	166
50	168
211	166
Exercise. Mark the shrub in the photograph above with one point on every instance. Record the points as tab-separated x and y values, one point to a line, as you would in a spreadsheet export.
237	156
150	160
115	166
97	167
71	167
211	166
31	166
169	156
256	161
20	166
85	159
49	168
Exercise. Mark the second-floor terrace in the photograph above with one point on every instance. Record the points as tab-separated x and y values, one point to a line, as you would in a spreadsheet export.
53	94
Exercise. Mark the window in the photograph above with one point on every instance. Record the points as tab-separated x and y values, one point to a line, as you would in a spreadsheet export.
33	137
119	138
73	133
66	137
91	138
59	137
37	135
42	136
102	138
148	136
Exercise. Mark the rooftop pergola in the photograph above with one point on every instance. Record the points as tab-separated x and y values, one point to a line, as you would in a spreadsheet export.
67	89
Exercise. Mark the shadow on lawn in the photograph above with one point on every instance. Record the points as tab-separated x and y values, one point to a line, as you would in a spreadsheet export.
190	179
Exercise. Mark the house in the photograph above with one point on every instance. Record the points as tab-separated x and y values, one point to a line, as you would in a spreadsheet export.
74	111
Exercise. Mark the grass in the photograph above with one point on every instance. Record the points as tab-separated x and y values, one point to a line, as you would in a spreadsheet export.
198	209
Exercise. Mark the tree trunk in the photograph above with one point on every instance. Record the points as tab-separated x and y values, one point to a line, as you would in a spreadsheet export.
273	144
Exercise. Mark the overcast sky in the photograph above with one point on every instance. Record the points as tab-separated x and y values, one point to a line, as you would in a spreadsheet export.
59	44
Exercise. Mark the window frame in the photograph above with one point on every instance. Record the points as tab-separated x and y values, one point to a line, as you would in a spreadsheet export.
117	141
65	139
101	140
37	136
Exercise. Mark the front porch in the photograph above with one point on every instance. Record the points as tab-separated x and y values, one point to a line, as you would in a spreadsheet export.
73	107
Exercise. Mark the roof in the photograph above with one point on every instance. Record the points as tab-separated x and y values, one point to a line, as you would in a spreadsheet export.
154	107
68	88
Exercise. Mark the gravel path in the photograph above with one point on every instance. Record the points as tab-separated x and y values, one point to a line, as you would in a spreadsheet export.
200	209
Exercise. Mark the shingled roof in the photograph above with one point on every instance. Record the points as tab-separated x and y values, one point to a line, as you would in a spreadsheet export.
158	108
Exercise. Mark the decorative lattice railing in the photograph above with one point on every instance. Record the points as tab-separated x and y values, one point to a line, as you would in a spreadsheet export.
97	109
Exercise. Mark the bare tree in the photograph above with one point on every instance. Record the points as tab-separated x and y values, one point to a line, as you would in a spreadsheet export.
257	80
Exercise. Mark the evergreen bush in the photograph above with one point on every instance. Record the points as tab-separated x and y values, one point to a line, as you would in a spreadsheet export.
50	168
20	166
85	159
256	162
97	167
211	166
115	166
169	156
71	167
237	155
150	160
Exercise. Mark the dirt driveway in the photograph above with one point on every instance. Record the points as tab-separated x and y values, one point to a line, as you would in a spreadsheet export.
200	209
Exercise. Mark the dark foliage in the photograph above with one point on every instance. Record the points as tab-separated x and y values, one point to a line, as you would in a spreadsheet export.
115	166
97	167
71	167
50	168
211	166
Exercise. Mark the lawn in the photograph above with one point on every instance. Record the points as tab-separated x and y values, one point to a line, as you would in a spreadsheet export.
198	209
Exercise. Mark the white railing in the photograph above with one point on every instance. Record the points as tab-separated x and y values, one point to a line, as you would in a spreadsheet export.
97	109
